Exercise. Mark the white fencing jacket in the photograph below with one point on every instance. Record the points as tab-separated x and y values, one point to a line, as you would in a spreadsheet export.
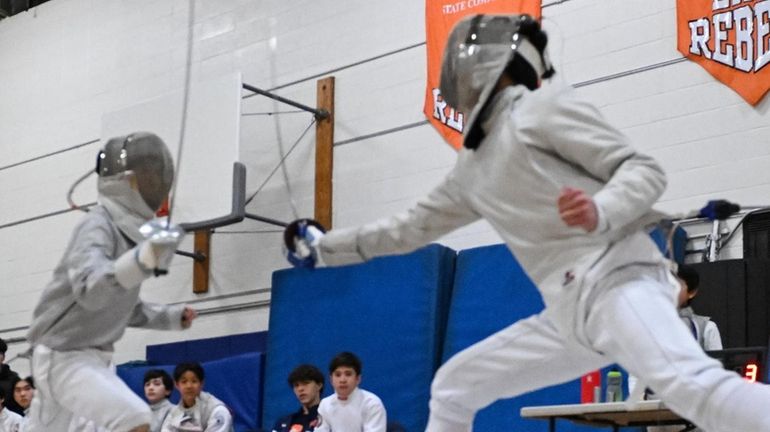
84	306
536	143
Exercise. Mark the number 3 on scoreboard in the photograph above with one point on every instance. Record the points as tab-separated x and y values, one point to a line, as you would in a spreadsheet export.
750	372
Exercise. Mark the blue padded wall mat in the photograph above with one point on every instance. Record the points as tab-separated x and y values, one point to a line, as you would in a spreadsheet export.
207	349
237	381
491	291
390	312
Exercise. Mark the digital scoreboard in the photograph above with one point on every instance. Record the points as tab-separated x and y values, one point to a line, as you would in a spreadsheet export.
750	363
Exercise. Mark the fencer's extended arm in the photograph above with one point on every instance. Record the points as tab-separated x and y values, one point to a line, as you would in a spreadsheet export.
440	212
98	271
577	132
91	265
156	316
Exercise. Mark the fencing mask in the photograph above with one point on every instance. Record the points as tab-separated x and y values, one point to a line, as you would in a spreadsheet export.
135	176
479	49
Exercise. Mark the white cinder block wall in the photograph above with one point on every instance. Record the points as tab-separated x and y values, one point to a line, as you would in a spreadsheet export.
66	62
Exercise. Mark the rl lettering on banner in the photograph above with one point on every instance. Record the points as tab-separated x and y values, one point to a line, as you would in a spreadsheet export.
730	39
440	17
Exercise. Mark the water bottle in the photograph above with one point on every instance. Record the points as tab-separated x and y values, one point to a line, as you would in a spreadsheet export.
614	386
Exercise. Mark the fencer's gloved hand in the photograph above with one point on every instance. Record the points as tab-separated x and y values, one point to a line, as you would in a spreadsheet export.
152	256
301	239
719	210
157	251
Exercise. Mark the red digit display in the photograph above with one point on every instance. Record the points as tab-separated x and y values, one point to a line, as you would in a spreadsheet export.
751	372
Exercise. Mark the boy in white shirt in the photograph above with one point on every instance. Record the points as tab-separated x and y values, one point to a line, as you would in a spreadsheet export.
197	411
157	388
350	409
23	392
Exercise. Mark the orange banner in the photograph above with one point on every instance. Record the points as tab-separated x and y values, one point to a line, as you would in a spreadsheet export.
440	17
730	39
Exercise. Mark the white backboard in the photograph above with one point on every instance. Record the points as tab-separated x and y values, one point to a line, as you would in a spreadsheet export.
205	172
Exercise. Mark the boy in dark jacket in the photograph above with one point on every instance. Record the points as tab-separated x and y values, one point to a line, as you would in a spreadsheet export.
307	381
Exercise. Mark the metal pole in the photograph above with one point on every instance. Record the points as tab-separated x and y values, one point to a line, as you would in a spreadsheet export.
266	220
319	114
194	255
712	242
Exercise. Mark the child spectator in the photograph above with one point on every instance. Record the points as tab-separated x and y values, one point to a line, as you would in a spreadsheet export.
9	420
23	392
157	388
197	411
702	328
350	409
308	383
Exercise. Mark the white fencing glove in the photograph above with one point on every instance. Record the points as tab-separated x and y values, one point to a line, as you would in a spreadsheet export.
158	250
150	257
301	239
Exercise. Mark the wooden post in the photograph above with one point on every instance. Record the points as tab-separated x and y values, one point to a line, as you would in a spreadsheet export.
202	246
324	153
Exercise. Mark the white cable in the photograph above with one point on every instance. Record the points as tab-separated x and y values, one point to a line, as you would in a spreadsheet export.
185	103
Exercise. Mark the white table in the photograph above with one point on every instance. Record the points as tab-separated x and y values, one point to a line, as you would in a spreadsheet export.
611	414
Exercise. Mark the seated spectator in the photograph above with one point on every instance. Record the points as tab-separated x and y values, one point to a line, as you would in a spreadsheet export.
197	411
7	376
308	383
23	392
350	409
9	420
157	388
703	329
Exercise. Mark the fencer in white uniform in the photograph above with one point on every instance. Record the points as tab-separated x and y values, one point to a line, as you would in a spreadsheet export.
569	196
94	294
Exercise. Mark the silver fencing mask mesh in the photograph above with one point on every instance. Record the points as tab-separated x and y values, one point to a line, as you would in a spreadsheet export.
478	50
146	156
